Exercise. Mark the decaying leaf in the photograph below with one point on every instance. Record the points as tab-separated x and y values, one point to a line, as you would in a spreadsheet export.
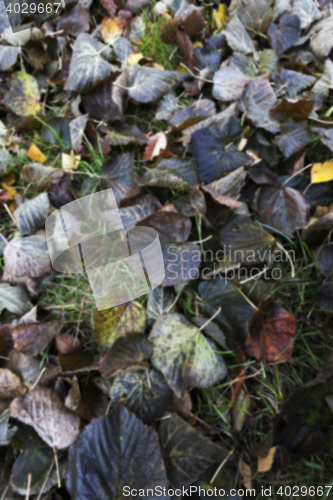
44	411
183	354
23	96
32	214
33	339
272	330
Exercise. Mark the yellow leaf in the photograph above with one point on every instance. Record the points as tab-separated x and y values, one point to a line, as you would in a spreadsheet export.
220	15
197	44
134	58
11	191
111	29
9	179
320	211
265	463
157	66
322	172
69	162
35	154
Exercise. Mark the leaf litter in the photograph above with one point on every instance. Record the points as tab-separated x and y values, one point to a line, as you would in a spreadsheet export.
212	124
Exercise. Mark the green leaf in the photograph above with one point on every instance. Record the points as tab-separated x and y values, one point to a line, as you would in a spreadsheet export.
145	393
122	452
186	452
128	352
88	65
183	354
23	96
31	215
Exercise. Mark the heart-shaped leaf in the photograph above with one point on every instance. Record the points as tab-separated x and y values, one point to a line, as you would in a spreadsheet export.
131	457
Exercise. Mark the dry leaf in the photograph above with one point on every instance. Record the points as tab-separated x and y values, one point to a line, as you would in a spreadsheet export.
70	162
111	29
246	475
155	145
10	385
35	154
44	411
322	172
66	343
265	463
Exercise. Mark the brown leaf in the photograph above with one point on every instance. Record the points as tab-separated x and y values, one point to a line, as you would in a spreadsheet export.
44	411
272	329
10	385
185	45
33	339
110	7
298	111
66	343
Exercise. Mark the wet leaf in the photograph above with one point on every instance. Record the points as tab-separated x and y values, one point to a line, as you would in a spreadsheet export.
74	22
145	393
174	173
229	84
284	209
105	100
149	84
258	99
36	459
307	11
88	64
131	457
298	111
8	56
41	409
31	215
33	339
14	298
117	321
285	34
183	354
128	352
322	172
293	137
236	310
245	241
237	37
294	82
124	134
272	330
186	452
208	146
119	174
23	96
256	16
321	37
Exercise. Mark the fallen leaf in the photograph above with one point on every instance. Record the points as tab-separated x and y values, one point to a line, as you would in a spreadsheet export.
23	95
111	29
10	385
179	349
44	411
33	339
35	154
272	330
31	215
322	172
265	463
131	456
70	162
